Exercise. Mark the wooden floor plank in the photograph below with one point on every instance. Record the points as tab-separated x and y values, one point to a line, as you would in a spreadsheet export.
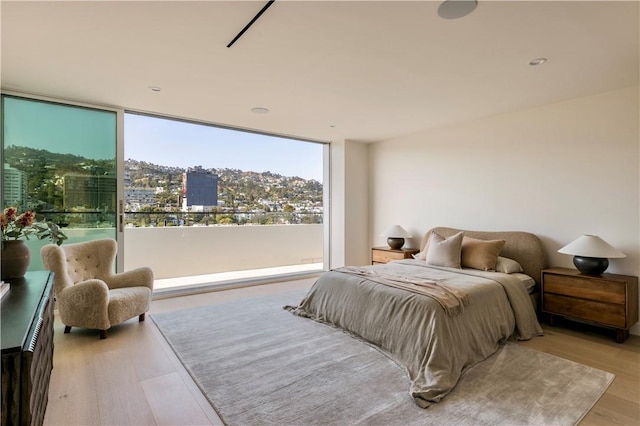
172	403
121	400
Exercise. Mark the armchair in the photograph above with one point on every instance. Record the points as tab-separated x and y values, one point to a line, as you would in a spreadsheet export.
87	291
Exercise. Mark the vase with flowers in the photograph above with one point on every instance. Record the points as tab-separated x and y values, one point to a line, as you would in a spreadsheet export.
17	227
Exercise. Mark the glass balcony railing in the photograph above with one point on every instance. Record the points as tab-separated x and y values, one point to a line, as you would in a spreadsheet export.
221	217
187	256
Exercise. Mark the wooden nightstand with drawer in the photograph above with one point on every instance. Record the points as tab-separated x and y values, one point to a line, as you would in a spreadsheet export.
385	254
608	300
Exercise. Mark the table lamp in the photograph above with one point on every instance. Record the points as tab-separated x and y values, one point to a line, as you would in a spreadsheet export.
590	254
395	236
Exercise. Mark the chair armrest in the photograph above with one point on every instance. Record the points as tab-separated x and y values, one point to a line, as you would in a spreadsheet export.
87	291
85	304
139	277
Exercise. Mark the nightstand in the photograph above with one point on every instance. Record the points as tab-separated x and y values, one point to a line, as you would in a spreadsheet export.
608	300
385	254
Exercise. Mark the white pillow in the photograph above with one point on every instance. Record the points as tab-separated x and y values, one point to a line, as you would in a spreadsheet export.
445	252
507	266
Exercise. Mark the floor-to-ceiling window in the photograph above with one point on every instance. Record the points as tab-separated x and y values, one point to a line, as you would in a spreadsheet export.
198	199
202	200
59	161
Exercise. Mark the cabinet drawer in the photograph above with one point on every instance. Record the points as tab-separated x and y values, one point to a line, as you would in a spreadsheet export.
380	256
600	290
605	313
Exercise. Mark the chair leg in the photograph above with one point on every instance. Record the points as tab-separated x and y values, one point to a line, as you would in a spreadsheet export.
141	317
103	334
67	329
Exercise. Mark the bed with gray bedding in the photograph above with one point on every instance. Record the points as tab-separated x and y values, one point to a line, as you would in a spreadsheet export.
402	308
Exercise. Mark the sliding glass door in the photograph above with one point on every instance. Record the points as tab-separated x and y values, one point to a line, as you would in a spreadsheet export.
59	161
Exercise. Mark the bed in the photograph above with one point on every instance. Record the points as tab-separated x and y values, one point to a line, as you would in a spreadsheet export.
435	321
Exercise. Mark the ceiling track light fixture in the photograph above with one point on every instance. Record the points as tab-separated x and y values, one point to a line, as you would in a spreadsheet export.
255	18
454	9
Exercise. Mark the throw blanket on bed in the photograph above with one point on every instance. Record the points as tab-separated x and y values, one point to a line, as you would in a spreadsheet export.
451	299
412	329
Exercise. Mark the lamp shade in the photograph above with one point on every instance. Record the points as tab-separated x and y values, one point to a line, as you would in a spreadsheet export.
396	231
591	246
590	254
395	236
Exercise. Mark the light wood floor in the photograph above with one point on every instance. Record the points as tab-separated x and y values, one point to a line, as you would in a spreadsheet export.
134	378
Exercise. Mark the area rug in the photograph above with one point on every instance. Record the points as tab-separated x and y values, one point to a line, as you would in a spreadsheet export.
258	364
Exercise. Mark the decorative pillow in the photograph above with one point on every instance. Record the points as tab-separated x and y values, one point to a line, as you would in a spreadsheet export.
445	252
480	254
507	266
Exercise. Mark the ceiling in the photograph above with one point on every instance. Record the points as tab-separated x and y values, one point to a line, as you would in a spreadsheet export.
328	70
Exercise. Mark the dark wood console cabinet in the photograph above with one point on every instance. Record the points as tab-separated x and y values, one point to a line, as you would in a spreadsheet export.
27	348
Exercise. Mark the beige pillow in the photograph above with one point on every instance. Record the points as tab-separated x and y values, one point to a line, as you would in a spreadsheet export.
445	252
507	266
480	254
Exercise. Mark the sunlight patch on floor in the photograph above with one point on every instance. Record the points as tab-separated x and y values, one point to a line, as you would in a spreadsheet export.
225	277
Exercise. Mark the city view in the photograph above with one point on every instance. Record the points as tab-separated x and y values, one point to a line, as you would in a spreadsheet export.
167	196
78	192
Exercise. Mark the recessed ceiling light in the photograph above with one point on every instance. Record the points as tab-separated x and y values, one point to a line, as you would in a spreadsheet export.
260	110
454	9
155	88
537	61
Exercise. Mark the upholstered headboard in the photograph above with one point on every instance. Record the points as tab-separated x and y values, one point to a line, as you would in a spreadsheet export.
523	247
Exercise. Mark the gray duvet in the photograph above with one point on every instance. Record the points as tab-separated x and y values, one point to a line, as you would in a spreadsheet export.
413	329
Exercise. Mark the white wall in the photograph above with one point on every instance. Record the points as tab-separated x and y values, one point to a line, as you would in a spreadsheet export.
337	205
357	204
349	204
178	251
559	171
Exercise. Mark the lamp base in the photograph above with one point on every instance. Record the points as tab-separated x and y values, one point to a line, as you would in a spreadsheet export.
395	243
591	265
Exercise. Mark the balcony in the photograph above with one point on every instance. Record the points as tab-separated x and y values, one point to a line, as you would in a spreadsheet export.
192	257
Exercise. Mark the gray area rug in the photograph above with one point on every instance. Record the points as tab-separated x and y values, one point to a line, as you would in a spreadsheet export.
260	365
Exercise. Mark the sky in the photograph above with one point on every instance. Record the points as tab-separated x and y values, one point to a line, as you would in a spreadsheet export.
175	143
86	132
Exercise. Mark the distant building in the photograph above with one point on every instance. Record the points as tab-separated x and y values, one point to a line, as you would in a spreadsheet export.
14	189
90	192
199	190
139	197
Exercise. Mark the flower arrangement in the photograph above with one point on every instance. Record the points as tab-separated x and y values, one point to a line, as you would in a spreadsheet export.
14	226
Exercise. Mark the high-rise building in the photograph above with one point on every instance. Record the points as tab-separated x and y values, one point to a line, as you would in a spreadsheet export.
14	189
89	192
139	197
199	190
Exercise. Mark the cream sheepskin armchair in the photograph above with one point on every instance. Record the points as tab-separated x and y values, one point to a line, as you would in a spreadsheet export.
88	293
